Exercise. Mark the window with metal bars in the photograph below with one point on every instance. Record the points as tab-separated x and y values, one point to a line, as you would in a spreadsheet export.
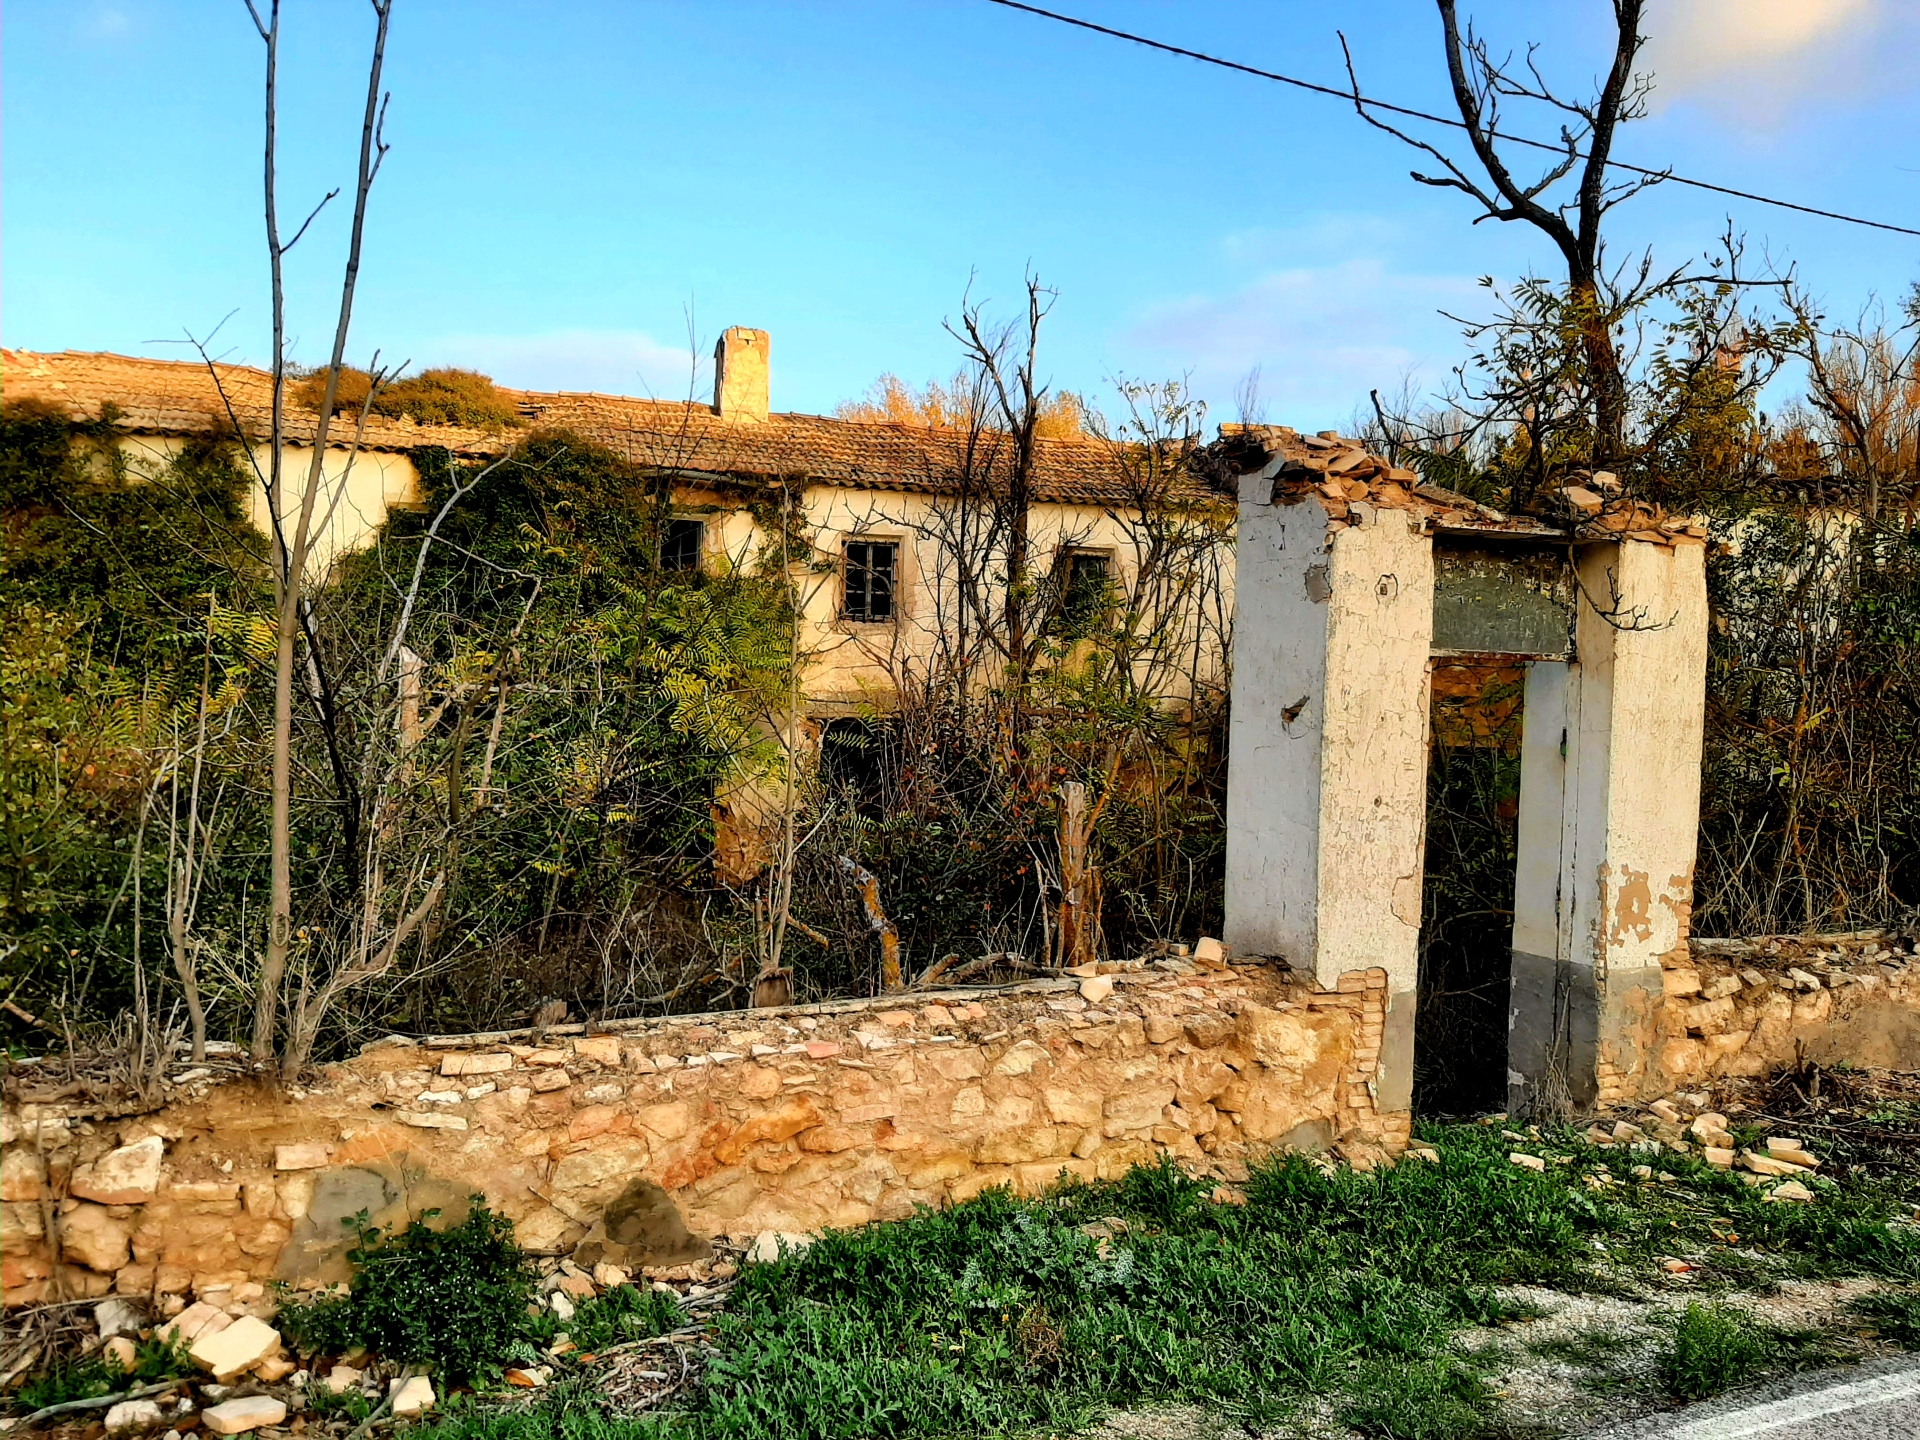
680	547
871	566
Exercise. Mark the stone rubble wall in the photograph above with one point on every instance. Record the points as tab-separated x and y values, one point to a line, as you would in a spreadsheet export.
783	1120
1750	1007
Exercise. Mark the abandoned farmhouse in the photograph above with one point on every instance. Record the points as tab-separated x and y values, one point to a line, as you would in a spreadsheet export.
1351	582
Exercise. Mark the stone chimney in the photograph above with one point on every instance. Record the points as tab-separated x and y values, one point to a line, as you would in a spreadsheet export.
740	374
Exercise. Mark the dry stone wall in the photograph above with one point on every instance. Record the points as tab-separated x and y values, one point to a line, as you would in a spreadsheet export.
729	1124
1750	1007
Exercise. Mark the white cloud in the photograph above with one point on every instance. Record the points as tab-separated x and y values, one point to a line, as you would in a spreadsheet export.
1321	336
614	362
1754	58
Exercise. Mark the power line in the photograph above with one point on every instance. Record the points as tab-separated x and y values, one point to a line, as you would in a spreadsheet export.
1351	98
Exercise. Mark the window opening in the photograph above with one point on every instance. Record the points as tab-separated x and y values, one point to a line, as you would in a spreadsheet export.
1086	593
682	546
870	571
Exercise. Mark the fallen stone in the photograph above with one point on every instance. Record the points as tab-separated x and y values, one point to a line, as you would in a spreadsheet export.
1083	972
1768	1164
1676	1267
1792	1190
580	1287
412	1396
122	1353
1599	1135
118	1317
610	1277
127	1176
343	1378
1095	990
196	1320
249	1412
1209	951
274	1369
311	1156
1624	1131
768	1245
1423	1152
1527	1162
133	1415
1668	1112
560	1304
237	1348
1719	1156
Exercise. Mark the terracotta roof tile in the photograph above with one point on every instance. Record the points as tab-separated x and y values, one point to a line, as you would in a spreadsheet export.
173	397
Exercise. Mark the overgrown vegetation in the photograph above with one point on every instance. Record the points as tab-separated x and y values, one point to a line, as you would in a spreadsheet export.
92	1376
1326	1292
455	1298
441	395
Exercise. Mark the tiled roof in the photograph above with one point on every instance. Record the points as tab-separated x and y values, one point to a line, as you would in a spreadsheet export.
173	397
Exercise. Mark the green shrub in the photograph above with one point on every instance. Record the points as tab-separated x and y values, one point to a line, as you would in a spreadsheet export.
622	1313
1895	1315
1715	1347
455	1299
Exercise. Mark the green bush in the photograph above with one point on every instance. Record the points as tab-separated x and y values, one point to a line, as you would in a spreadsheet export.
1715	1347
622	1313
455	1299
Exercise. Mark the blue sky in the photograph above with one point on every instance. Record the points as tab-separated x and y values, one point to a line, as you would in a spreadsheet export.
569	181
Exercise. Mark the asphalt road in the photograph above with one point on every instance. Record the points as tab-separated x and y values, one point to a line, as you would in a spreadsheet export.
1880	1401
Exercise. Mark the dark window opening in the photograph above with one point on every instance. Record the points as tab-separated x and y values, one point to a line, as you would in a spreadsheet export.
870	579
853	761
681	548
1086	593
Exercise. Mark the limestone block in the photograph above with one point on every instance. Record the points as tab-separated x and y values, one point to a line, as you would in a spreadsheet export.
274	1369
118	1317
20	1227
1021	1145
594	1177
1208	952
549	1080
607	1093
1680	982
1021	1058
1072	1107
594	1120
310	1156
197	1320
235	1348
342	1378
957	1063
1813	1009
969	1104
91	1236
1208	1032
830	1139
131	1415
670	1121
1793	1190
601	1049
1721	986
1768	1164
1278	1039
250	1412
427	1120
1719	1156
1160	1028
1726	1044
1096	989
23	1175
127	1176
1136	1109
759	1082
1682	1059
476	1064
781	1123
1710	1017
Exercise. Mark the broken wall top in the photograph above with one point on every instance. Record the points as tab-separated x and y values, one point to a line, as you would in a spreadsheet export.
1343	474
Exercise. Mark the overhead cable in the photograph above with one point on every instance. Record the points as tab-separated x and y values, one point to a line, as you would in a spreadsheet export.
1354	98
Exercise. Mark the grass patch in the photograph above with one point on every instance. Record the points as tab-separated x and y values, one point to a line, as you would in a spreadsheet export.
1894	1316
1341	1292
87	1379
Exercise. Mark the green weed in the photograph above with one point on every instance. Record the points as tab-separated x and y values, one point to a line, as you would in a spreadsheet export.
1715	1348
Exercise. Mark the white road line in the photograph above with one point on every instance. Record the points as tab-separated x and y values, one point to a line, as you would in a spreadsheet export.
1815	1405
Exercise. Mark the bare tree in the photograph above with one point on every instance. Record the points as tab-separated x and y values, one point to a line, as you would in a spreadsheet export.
1480	84
292	553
